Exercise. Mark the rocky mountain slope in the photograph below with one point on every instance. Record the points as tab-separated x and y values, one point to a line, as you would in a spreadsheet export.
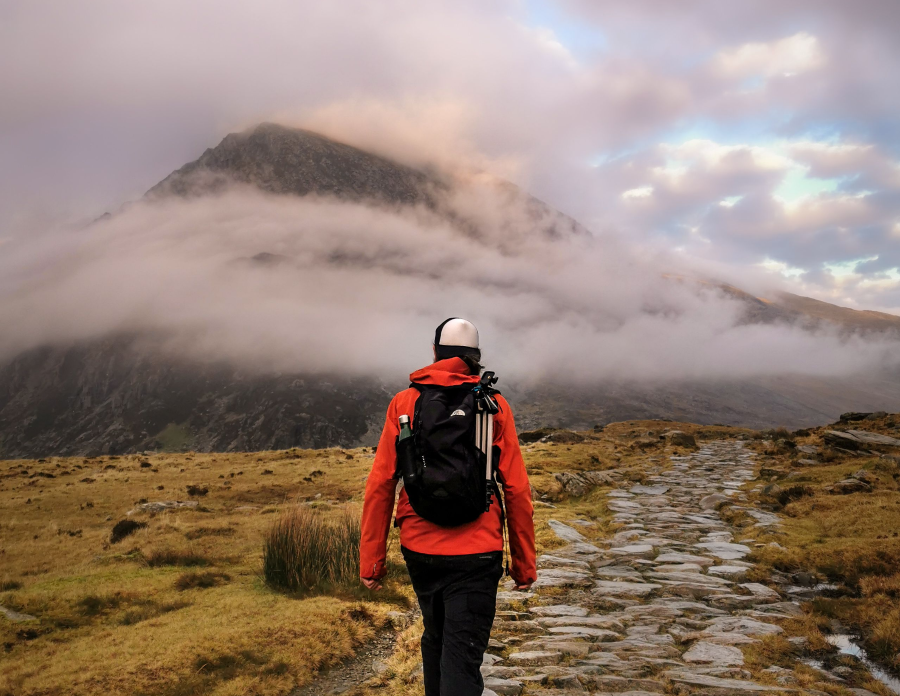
298	162
292	161
121	393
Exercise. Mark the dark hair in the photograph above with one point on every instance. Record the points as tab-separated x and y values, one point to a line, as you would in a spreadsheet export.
470	356
473	363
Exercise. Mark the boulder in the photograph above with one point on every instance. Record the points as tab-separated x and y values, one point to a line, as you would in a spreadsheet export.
712	653
634	551
621	587
641	489
853	416
536	658
547	560
601	478
572	484
858	439
163	506
678	438
503	687
773	490
865	476
741	625
501	671
624	686
847	486
712	502
16	616
728	571
564	531
733	687
559	610
596	634
550	435
577	648
554	577
684	558
579	484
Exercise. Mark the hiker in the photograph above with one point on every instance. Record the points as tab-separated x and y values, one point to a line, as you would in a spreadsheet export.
458	434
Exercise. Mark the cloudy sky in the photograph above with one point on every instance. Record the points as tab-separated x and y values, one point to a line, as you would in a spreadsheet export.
756	137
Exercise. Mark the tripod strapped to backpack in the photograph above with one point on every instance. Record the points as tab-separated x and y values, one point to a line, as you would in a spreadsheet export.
447	458
486	407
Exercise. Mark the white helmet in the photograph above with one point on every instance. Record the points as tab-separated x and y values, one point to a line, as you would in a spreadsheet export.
456	332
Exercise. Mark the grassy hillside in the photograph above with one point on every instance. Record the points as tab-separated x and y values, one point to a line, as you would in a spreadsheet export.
179	606
842	524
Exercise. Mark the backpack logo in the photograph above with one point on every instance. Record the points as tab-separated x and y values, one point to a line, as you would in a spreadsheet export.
458	412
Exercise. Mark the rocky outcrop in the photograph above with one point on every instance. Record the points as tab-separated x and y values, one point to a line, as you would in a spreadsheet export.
120	395
583	482
677	438
858	439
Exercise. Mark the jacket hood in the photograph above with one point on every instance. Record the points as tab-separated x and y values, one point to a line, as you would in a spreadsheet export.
451	372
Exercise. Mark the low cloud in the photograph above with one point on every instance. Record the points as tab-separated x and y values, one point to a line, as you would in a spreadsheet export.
358	290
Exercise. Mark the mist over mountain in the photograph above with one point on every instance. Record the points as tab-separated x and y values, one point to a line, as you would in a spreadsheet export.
277	290
283	160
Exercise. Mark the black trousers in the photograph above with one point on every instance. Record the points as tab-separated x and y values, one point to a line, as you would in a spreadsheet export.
458	598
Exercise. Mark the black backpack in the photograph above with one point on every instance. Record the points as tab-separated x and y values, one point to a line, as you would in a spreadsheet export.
447	471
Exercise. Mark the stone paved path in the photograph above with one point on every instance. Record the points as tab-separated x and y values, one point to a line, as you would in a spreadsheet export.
663	605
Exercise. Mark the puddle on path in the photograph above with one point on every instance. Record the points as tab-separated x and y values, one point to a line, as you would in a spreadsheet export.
848	646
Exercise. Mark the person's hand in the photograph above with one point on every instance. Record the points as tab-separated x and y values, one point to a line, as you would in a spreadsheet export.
522	588
371	583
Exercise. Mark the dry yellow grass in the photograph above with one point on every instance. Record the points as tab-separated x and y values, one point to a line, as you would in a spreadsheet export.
112	618
852	540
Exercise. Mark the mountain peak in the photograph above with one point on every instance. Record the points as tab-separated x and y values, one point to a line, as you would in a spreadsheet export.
285	160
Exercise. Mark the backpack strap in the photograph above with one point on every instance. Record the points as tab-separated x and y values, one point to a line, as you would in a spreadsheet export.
503	531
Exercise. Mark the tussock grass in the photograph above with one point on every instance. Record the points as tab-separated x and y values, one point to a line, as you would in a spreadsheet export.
199	532
792	493
175	557
305	550
124	528
149	610
94	605
189	581
872	586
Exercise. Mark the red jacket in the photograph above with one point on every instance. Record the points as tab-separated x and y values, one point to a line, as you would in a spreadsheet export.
481	535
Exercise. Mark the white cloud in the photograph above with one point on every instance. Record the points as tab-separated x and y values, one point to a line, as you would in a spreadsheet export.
786	57
639	192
